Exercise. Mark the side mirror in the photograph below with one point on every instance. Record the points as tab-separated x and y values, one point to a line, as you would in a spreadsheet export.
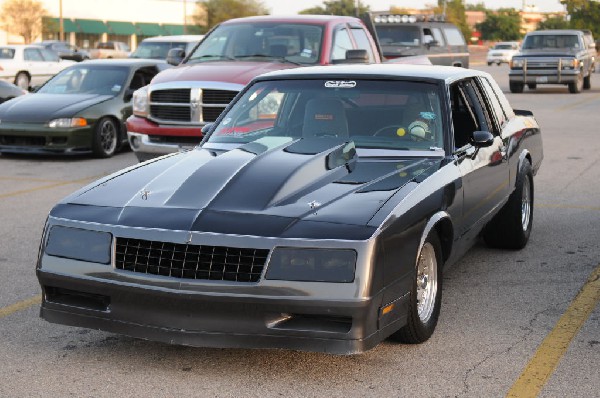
432	43
482	139
175	56
206	128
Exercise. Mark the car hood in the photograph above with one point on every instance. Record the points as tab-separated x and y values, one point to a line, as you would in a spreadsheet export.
236	72
263	188
39	108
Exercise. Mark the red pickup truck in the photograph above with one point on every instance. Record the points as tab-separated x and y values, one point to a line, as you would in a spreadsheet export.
169	113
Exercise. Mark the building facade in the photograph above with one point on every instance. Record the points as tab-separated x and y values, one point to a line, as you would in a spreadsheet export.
86	22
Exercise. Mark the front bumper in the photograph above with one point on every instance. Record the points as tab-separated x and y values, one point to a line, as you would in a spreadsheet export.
543	76
38	138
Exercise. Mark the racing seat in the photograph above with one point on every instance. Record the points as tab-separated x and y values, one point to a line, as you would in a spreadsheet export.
325	117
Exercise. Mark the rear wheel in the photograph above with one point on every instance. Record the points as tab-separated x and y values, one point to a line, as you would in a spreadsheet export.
577	85
425	295
22	80
516	87
511	227
106	138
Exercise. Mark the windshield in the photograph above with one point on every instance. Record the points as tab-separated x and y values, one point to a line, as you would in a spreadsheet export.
87	80
158	50
374	114
390	35
504	47
262	41
539	42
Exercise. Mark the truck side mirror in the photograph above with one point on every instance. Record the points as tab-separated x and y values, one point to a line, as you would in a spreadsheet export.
175	56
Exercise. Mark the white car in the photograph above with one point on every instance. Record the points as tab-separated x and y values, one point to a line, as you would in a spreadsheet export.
29	65
502	52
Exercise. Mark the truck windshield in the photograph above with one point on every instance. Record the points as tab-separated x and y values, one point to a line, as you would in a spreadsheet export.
393	115
296	43
538	42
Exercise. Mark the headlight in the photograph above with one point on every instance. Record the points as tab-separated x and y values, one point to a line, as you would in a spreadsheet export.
79	244
68	122
312	265
569	63
140	102
516	63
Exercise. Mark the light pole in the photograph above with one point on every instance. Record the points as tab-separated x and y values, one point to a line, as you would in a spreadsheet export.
184	17
61	28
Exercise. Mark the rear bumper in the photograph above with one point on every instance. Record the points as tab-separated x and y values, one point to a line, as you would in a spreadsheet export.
217	320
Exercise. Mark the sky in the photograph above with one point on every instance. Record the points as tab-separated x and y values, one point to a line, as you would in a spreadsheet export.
280	7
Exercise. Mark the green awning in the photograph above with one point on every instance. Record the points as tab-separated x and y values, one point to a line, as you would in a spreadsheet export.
68	25
121	28
149	29
91	26
173	29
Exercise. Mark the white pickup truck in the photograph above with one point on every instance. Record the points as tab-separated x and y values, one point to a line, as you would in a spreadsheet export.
110	49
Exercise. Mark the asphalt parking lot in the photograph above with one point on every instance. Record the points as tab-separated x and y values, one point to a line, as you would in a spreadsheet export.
512	323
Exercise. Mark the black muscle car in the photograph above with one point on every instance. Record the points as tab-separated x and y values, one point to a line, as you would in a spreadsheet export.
317	214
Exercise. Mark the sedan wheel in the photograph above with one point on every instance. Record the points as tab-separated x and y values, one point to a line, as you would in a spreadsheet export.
106	138
426	294
22	81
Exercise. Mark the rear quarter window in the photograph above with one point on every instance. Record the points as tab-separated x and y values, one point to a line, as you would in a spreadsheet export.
7	53
454	37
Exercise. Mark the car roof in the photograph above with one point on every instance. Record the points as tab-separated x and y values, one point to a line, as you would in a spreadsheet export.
123	62
314	19
189	38
399	71
556	31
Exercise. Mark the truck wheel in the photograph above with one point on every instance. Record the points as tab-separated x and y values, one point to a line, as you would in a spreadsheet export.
577	85
516	87
106	138
425	295
511	227
587	82
532	86
490	63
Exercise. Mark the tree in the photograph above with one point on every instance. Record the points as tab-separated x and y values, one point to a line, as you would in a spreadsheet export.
23	17
504	24
337	7
584	14
476	7
554	23
217	11
455	13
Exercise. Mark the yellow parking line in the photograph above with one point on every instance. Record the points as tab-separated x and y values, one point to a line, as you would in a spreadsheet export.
549	353
21	305
49	186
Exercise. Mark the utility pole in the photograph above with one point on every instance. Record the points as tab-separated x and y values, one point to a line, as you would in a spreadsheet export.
185	17
60	21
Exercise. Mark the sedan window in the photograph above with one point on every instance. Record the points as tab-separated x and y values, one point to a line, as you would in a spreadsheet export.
32	54
87	80
7	53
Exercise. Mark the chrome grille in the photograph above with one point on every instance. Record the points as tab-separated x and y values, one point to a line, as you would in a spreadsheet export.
188	105
542	63
190	261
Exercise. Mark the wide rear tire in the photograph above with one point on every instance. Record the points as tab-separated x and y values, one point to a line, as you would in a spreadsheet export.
511	227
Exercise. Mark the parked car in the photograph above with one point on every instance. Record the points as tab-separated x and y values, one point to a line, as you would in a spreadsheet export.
66	50
9	91
29	65
502	52
158	47
318	214
566	57
80	110
110	49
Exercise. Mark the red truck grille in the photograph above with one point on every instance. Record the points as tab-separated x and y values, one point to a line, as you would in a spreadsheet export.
188	106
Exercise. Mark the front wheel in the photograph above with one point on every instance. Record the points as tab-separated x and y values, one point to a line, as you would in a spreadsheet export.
532	86
587	82
577	85
426	294
515	87
106	138
511	227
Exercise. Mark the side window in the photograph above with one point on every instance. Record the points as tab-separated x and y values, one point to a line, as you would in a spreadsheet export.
498	111
454	36
341	43
437	36
508	110
32	54
477	102
363	43
468	112
49	55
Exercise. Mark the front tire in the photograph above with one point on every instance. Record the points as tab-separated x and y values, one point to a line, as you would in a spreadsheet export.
577	85
106	138
532	86
515	87
511	227
426	294
587	81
